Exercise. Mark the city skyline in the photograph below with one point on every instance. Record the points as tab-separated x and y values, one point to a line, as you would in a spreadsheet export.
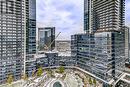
46	43
66	21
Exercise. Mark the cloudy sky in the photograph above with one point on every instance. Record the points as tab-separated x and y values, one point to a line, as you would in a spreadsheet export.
127	15
65	15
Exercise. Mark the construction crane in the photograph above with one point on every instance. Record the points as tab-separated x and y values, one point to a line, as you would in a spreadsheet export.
47	47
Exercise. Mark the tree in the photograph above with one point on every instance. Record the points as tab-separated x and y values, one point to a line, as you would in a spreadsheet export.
94	81
10	79
64	76
110	85
39	72
90	81
50	73
25	77
61	69
33	73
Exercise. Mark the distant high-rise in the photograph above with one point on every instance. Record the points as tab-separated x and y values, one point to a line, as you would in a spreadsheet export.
46	38
11	38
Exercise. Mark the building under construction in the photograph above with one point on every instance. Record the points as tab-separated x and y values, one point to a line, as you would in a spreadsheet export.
46	38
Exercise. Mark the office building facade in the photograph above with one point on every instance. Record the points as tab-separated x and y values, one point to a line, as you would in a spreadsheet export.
127	41
46	38
101	50
99	53
11	38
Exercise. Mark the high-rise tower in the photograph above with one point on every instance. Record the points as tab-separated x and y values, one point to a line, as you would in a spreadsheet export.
30	27
11	38
30	35
87	15
103	15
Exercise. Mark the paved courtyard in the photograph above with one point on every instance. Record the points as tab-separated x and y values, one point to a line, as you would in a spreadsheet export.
70	78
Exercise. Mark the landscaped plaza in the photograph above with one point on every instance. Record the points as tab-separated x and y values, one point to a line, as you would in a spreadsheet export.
59	77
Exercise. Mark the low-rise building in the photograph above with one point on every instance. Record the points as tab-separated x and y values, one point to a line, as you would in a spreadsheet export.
48	59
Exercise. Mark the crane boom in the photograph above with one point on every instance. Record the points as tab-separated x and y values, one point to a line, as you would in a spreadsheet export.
54	40
47	47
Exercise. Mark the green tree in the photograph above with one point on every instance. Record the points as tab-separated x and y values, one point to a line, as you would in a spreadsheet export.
10	79
39	72
33	73
25	77
94	81
61	69
110	85
49	72
90	81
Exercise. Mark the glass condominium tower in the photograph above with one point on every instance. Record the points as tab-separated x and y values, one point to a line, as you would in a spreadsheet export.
30	35
30	27
103	15
11	38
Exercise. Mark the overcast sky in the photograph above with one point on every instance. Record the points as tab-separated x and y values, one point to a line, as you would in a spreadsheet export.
65	15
